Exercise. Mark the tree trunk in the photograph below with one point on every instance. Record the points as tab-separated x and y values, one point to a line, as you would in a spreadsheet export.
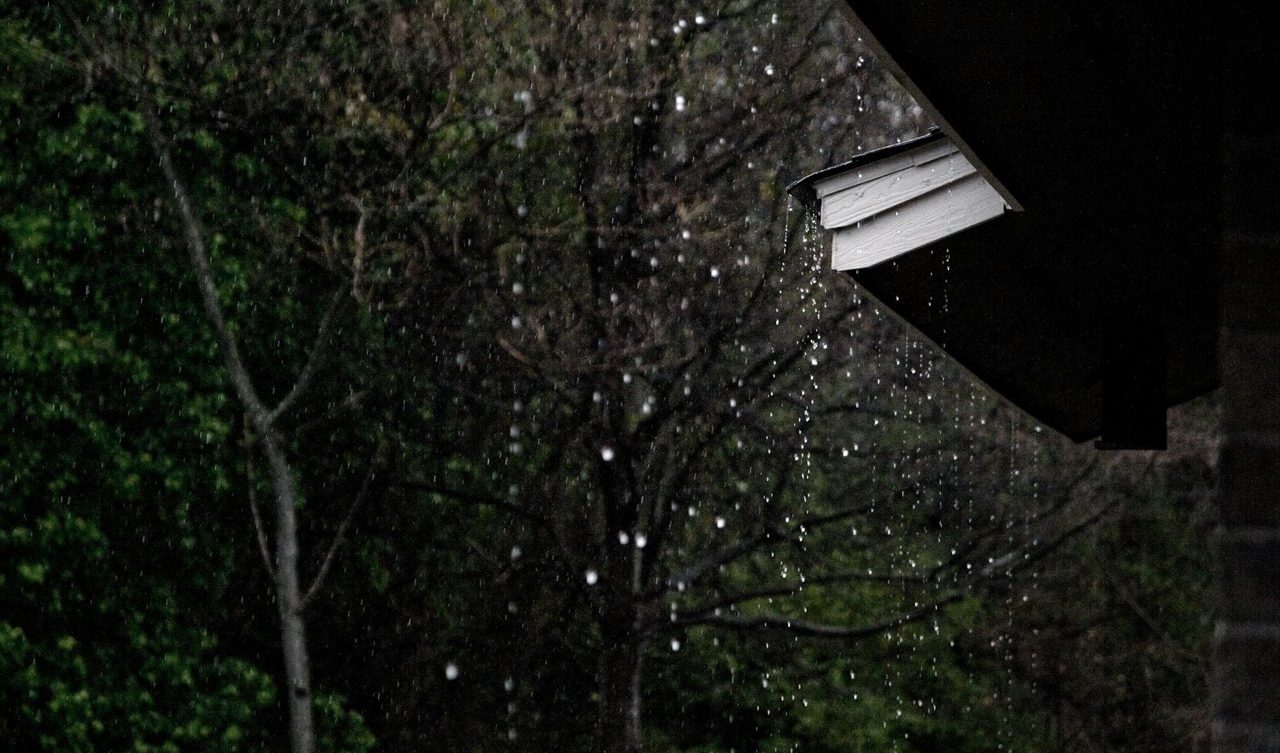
293	632
621	656
288	591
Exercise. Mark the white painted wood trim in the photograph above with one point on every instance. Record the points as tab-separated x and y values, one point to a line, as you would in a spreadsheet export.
882	167
859	202
918	222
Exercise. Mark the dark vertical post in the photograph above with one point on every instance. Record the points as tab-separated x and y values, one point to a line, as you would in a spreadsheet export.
1246	645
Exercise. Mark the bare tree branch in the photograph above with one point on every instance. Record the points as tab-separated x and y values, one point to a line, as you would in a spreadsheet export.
475	498
241	381
375	464
359	241
767	534
795	587
999	567
263	547
810	629
319	349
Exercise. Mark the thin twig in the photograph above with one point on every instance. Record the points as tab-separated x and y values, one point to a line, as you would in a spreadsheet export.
474	498
314	358
358	240
338	537
259	529
770	534
795	587
810	629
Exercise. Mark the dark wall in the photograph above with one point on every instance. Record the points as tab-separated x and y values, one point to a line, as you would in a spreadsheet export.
1247	634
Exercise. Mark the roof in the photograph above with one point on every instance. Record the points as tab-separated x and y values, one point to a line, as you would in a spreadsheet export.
1095	119
803	189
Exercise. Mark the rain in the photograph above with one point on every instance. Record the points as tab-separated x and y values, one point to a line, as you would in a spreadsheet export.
456	375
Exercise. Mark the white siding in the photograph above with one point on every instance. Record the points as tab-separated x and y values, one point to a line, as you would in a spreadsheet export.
903	202
916	223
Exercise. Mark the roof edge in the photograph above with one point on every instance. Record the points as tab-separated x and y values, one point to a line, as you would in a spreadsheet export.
869	34
803	189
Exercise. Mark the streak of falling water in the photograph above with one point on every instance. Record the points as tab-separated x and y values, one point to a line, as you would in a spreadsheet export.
924	426
802	310
920	427
814	309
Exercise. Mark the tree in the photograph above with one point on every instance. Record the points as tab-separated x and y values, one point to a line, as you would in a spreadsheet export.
110	443
1127	599
651	377
610	430
143	69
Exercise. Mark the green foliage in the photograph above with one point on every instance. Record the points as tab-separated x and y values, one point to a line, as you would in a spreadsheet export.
118	447
500	197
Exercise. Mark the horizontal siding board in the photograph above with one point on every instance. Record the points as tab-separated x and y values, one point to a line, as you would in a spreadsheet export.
859	202
920	155
916	223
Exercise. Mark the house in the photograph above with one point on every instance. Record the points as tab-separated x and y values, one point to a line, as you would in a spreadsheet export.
1094	231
